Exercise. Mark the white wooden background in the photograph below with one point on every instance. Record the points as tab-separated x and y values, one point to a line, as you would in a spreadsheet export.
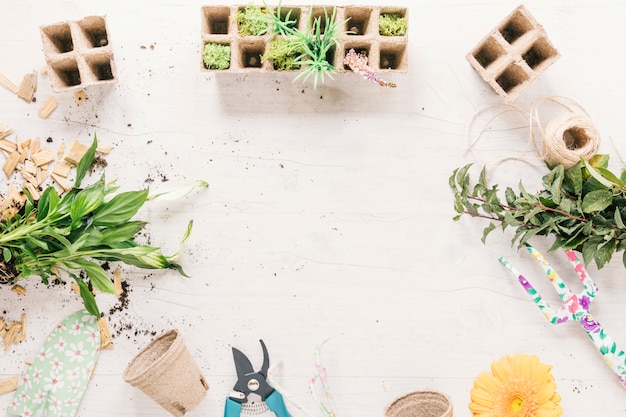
329	212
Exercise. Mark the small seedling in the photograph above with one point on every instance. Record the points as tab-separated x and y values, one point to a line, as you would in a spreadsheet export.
392	24
216	56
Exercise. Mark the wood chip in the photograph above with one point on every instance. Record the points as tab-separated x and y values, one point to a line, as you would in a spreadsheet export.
28	87
44	69
18	289
5	133
117	281
13	332
8	385
103	149
80	96
8	83
8	145
35	146
47	108
65	185
62	168
105	334
43	157
11	163
76	152
42	175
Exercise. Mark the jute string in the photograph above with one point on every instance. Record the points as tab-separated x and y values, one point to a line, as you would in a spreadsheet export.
566	138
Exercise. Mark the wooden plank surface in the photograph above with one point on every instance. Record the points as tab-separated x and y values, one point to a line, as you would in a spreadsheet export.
328	212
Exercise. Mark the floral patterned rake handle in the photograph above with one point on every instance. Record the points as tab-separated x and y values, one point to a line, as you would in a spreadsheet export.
575	307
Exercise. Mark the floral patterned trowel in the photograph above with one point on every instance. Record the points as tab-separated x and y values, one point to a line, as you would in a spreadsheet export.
56	381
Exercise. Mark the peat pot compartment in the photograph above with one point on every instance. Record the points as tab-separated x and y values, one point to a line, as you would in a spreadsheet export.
399	12
293	14
318	13
65	74
251	53
393	57
360	48
515	27
512	77
100	66
488	52
538	53
95	31
358	19
215	20
57	38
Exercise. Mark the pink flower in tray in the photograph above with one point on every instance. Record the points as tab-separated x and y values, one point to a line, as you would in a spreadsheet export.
358	64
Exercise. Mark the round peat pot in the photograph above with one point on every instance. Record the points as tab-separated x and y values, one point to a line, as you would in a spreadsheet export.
166	372
421	404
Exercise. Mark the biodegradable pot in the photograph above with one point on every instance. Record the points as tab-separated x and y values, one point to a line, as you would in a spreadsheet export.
79	53
513	54
166	372
421	404
385	53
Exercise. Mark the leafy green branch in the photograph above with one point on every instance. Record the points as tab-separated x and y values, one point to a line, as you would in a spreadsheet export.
582	207
70	233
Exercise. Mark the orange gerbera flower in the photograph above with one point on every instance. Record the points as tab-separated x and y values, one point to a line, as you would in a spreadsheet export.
518	386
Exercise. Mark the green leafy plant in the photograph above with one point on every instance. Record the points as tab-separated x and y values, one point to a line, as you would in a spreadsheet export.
250	22
70	233
392	24
216	56
582	207
283	55
316	42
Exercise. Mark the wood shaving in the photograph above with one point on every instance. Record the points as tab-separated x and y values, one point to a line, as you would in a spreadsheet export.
80	96
105	334
8	83
27	88
18	289
8	385
43	157
12	332
47	108
76	152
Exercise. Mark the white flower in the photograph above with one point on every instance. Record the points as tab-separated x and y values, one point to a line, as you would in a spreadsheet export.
75	328
75	352
73	374
60	345
39	397
53	382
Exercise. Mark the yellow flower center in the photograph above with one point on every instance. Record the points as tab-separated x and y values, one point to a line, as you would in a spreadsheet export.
516	405
517	397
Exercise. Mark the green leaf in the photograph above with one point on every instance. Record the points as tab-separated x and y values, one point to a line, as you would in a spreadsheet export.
98	278
487	230
120	208
88	299
574	178
618	219
125	231
597	176
610	177
604	253
6	254
597	200
599	161
86	201
85	162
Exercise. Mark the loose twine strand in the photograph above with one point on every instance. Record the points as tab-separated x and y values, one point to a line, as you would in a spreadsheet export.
566	138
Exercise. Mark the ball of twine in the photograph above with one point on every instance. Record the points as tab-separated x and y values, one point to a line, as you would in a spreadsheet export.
569	137
421	404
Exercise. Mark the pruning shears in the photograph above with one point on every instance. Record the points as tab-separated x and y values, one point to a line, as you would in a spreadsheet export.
251	394
575	307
